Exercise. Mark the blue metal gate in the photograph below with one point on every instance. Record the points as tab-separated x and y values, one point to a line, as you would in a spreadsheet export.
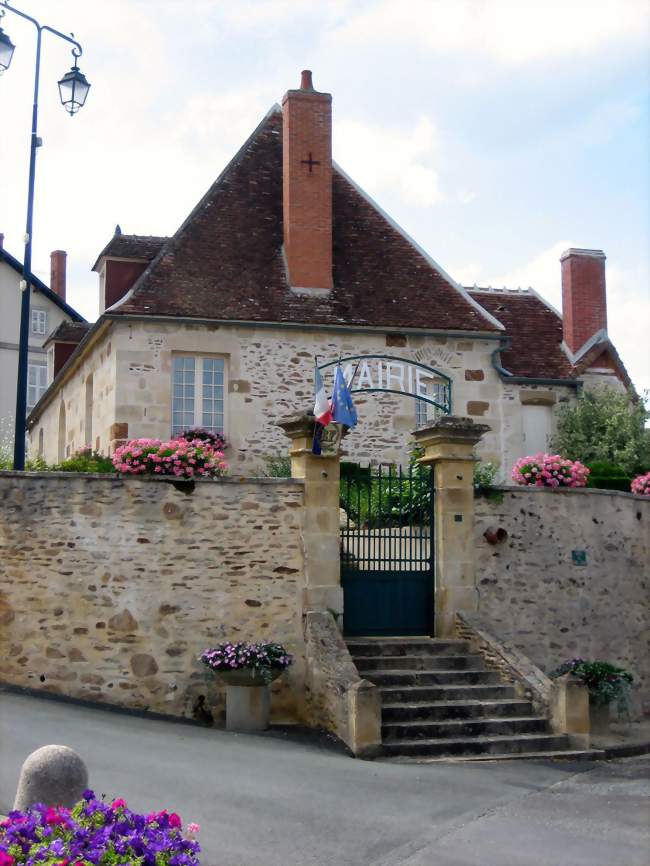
387	550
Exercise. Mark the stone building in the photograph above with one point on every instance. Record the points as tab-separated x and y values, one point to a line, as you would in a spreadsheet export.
286	262
48	311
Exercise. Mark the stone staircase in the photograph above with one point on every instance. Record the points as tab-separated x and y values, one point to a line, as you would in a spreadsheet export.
440	701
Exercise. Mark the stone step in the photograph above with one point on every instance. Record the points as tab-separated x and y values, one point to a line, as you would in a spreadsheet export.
561	755
462	709
406	646
418	663
442	693
431	678
455	728
485	745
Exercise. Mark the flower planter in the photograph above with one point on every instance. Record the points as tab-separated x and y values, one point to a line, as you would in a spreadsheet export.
246	677
599	718
247	669
248	704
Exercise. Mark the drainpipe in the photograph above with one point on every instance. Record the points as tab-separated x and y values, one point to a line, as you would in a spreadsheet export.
504	343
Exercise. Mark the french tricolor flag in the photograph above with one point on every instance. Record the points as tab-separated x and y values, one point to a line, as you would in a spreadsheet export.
322	407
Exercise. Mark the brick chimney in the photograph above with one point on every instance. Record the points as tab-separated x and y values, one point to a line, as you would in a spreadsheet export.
307	185
57	272
584	296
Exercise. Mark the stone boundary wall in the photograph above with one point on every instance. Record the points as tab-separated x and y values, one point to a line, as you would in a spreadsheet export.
110	587
537	597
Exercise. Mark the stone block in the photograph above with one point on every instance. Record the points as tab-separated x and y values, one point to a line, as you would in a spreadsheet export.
247	708
54	775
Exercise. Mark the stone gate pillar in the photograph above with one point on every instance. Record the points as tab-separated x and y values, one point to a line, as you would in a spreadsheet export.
448	445
321	519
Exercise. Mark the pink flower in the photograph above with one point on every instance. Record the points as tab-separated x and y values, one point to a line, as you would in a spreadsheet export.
175	821
53	816
119	804
193	828
6	859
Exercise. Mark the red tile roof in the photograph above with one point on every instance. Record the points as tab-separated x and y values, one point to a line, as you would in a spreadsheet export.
226	262
533	330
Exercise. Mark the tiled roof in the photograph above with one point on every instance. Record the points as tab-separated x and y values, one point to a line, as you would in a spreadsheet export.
534	332
132	247
226	262
69	332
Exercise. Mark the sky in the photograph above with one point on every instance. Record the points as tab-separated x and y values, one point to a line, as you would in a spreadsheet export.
497	133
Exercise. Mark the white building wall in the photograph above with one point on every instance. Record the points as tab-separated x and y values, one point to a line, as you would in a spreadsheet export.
10	300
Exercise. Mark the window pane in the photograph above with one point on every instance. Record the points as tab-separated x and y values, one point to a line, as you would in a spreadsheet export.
212	394
182	394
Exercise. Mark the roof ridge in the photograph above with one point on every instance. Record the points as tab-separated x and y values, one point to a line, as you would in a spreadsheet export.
214	186
416	246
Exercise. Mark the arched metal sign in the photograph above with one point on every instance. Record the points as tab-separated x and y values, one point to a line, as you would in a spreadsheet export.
374	373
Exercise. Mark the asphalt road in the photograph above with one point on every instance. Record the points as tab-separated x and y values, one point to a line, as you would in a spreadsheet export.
268	801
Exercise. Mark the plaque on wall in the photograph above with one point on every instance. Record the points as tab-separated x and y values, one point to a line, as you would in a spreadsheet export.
331	440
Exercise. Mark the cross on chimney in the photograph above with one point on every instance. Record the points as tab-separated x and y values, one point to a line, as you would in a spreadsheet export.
310	162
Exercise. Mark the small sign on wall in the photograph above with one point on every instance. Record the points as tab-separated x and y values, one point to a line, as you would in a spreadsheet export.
331	440
579	557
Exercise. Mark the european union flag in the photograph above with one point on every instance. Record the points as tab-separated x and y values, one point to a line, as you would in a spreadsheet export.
343	411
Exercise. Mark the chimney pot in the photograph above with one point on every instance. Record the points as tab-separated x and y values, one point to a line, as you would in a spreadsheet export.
57	272
584	296
305	80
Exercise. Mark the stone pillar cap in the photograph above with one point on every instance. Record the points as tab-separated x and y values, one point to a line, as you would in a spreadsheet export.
298	424
454	427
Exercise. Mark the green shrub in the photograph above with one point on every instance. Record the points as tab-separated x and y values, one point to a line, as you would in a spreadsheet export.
608	476
85	460
277	466
605	426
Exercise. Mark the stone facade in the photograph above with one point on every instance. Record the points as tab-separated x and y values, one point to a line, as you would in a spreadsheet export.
269	373
112	587
537	598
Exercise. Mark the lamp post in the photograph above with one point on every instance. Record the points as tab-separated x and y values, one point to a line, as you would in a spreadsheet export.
73	90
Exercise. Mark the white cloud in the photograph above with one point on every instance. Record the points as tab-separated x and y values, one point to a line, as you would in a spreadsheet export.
508	31
387	159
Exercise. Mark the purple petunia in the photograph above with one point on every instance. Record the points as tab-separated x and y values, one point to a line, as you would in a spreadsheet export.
93	832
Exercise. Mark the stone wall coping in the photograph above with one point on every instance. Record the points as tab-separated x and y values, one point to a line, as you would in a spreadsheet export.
150	479
572	491
520	666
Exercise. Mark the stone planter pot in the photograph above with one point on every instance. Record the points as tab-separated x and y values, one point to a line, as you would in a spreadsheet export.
599	719
248	704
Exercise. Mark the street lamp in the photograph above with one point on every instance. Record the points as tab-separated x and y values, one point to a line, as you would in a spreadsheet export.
73	89
6	51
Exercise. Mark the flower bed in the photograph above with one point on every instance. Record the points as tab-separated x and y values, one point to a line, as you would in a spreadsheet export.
177	457
95	833
265	658
641	485
549	470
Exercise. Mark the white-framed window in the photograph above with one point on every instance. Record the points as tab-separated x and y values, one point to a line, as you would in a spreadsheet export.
36	384
39	322
198	393
425	412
